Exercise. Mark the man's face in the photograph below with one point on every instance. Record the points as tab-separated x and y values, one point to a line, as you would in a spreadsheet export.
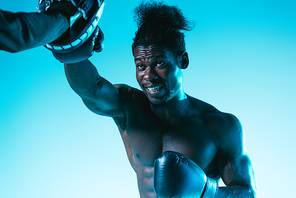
158	73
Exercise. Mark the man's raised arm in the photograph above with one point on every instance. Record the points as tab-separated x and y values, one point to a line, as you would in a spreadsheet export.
98	94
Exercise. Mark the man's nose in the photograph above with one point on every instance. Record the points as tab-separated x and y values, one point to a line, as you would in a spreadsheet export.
149	74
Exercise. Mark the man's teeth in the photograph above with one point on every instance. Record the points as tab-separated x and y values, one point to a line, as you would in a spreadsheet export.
153	88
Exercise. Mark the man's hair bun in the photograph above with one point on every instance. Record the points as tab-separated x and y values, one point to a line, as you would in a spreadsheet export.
157	12
162	25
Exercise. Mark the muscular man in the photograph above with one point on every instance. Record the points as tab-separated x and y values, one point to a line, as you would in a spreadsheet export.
179	146
21	31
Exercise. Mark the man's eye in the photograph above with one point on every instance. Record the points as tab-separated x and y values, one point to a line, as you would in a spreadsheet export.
160	63
140	67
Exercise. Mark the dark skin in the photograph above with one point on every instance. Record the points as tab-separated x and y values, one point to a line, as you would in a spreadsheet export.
162	118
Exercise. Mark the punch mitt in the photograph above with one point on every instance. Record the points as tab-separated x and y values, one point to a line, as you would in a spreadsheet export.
83	52
176	175
83	16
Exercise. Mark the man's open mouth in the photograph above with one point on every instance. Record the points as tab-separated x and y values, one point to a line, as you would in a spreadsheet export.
154	89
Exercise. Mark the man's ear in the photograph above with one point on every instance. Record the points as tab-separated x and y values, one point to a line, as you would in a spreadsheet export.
184	60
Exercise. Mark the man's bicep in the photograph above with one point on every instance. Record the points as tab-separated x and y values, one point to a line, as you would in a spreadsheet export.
239	172
106	101
235	166
97	93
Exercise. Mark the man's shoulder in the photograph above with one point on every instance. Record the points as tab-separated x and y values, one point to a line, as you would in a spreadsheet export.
131	95
221	123
227	130
126	91
221	119
211	113
202	107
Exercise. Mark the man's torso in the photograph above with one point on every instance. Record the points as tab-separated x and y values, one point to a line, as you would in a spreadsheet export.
146	136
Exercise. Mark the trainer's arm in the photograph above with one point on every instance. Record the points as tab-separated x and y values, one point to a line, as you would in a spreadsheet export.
235	166
98	94
21	31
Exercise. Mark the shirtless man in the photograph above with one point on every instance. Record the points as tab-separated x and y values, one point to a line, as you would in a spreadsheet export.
162	117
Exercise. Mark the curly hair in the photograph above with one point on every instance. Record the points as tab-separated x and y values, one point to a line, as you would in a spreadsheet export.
162	25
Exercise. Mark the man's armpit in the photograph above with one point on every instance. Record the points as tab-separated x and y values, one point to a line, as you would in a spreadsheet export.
121	122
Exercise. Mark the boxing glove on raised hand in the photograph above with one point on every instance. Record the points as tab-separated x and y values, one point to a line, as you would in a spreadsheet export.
83	52
176	175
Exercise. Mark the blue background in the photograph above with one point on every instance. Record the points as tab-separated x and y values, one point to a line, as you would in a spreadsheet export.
242	60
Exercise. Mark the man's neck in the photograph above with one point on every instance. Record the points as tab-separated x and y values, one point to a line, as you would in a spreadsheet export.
174	108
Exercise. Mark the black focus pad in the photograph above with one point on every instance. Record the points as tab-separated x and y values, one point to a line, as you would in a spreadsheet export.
83	52
84	16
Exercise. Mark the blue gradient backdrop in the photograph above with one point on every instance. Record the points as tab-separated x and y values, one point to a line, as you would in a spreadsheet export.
242	60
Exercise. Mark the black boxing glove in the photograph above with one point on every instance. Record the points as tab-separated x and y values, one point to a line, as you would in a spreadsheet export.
86	50
176	175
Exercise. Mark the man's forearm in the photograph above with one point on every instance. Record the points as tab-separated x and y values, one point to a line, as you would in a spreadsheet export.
235	192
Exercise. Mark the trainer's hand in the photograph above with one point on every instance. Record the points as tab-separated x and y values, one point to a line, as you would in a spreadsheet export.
86	50
176	175
83	18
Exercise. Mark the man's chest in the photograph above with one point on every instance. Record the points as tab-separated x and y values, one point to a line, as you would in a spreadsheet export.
149	138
